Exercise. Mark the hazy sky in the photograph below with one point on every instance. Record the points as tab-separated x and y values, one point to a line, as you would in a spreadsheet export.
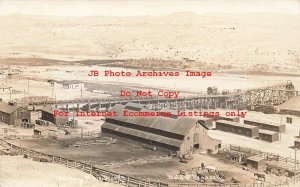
144	7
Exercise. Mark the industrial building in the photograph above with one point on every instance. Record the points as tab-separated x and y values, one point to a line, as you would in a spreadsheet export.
73	84
266	125
269	136
227	118
237	128
257	163
12	114
181	135
48	115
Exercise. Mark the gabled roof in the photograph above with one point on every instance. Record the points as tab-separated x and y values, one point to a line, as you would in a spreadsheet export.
180	125
142	134
7	108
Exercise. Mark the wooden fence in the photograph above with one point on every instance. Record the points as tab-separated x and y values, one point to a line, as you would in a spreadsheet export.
285	160
116	178
100	174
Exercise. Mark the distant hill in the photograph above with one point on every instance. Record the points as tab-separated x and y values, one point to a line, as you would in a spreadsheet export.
255	42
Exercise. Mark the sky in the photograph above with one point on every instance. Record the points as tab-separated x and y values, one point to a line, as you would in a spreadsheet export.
144	7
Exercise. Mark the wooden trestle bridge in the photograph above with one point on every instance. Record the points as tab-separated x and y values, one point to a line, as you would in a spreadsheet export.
267	96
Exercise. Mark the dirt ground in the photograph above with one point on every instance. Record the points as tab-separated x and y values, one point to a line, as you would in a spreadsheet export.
17	171
97	154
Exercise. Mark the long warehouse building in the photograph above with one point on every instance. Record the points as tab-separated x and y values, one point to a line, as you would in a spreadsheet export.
237	128
181	135
266	125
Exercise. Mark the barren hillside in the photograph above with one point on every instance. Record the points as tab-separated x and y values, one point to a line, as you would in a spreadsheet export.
258	42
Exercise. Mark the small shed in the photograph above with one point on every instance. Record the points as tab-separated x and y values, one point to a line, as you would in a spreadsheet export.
73	84
257	163
212	90
12	75
269	136
297	143
37	132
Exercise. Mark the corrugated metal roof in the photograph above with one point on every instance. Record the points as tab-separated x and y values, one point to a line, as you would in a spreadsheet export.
142	134
6	108
180	125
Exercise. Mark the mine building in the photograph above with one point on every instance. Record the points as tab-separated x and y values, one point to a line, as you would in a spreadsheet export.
237	128
257	163
180	135
48	115
269	136
12	114
73	84
266	125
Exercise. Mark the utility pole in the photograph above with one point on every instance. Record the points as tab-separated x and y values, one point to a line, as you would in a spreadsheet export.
28	86
295	164
9	94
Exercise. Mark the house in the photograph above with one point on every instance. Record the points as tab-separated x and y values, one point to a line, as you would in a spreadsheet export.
180	135
12	114
73	84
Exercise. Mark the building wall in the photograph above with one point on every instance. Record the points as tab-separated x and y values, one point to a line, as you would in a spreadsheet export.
253	132
5	118
73	86
139	141
197	138
60	120
269	137
297	144
257	165
48	116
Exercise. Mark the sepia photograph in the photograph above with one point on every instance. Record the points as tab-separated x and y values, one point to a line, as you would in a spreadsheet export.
149	93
